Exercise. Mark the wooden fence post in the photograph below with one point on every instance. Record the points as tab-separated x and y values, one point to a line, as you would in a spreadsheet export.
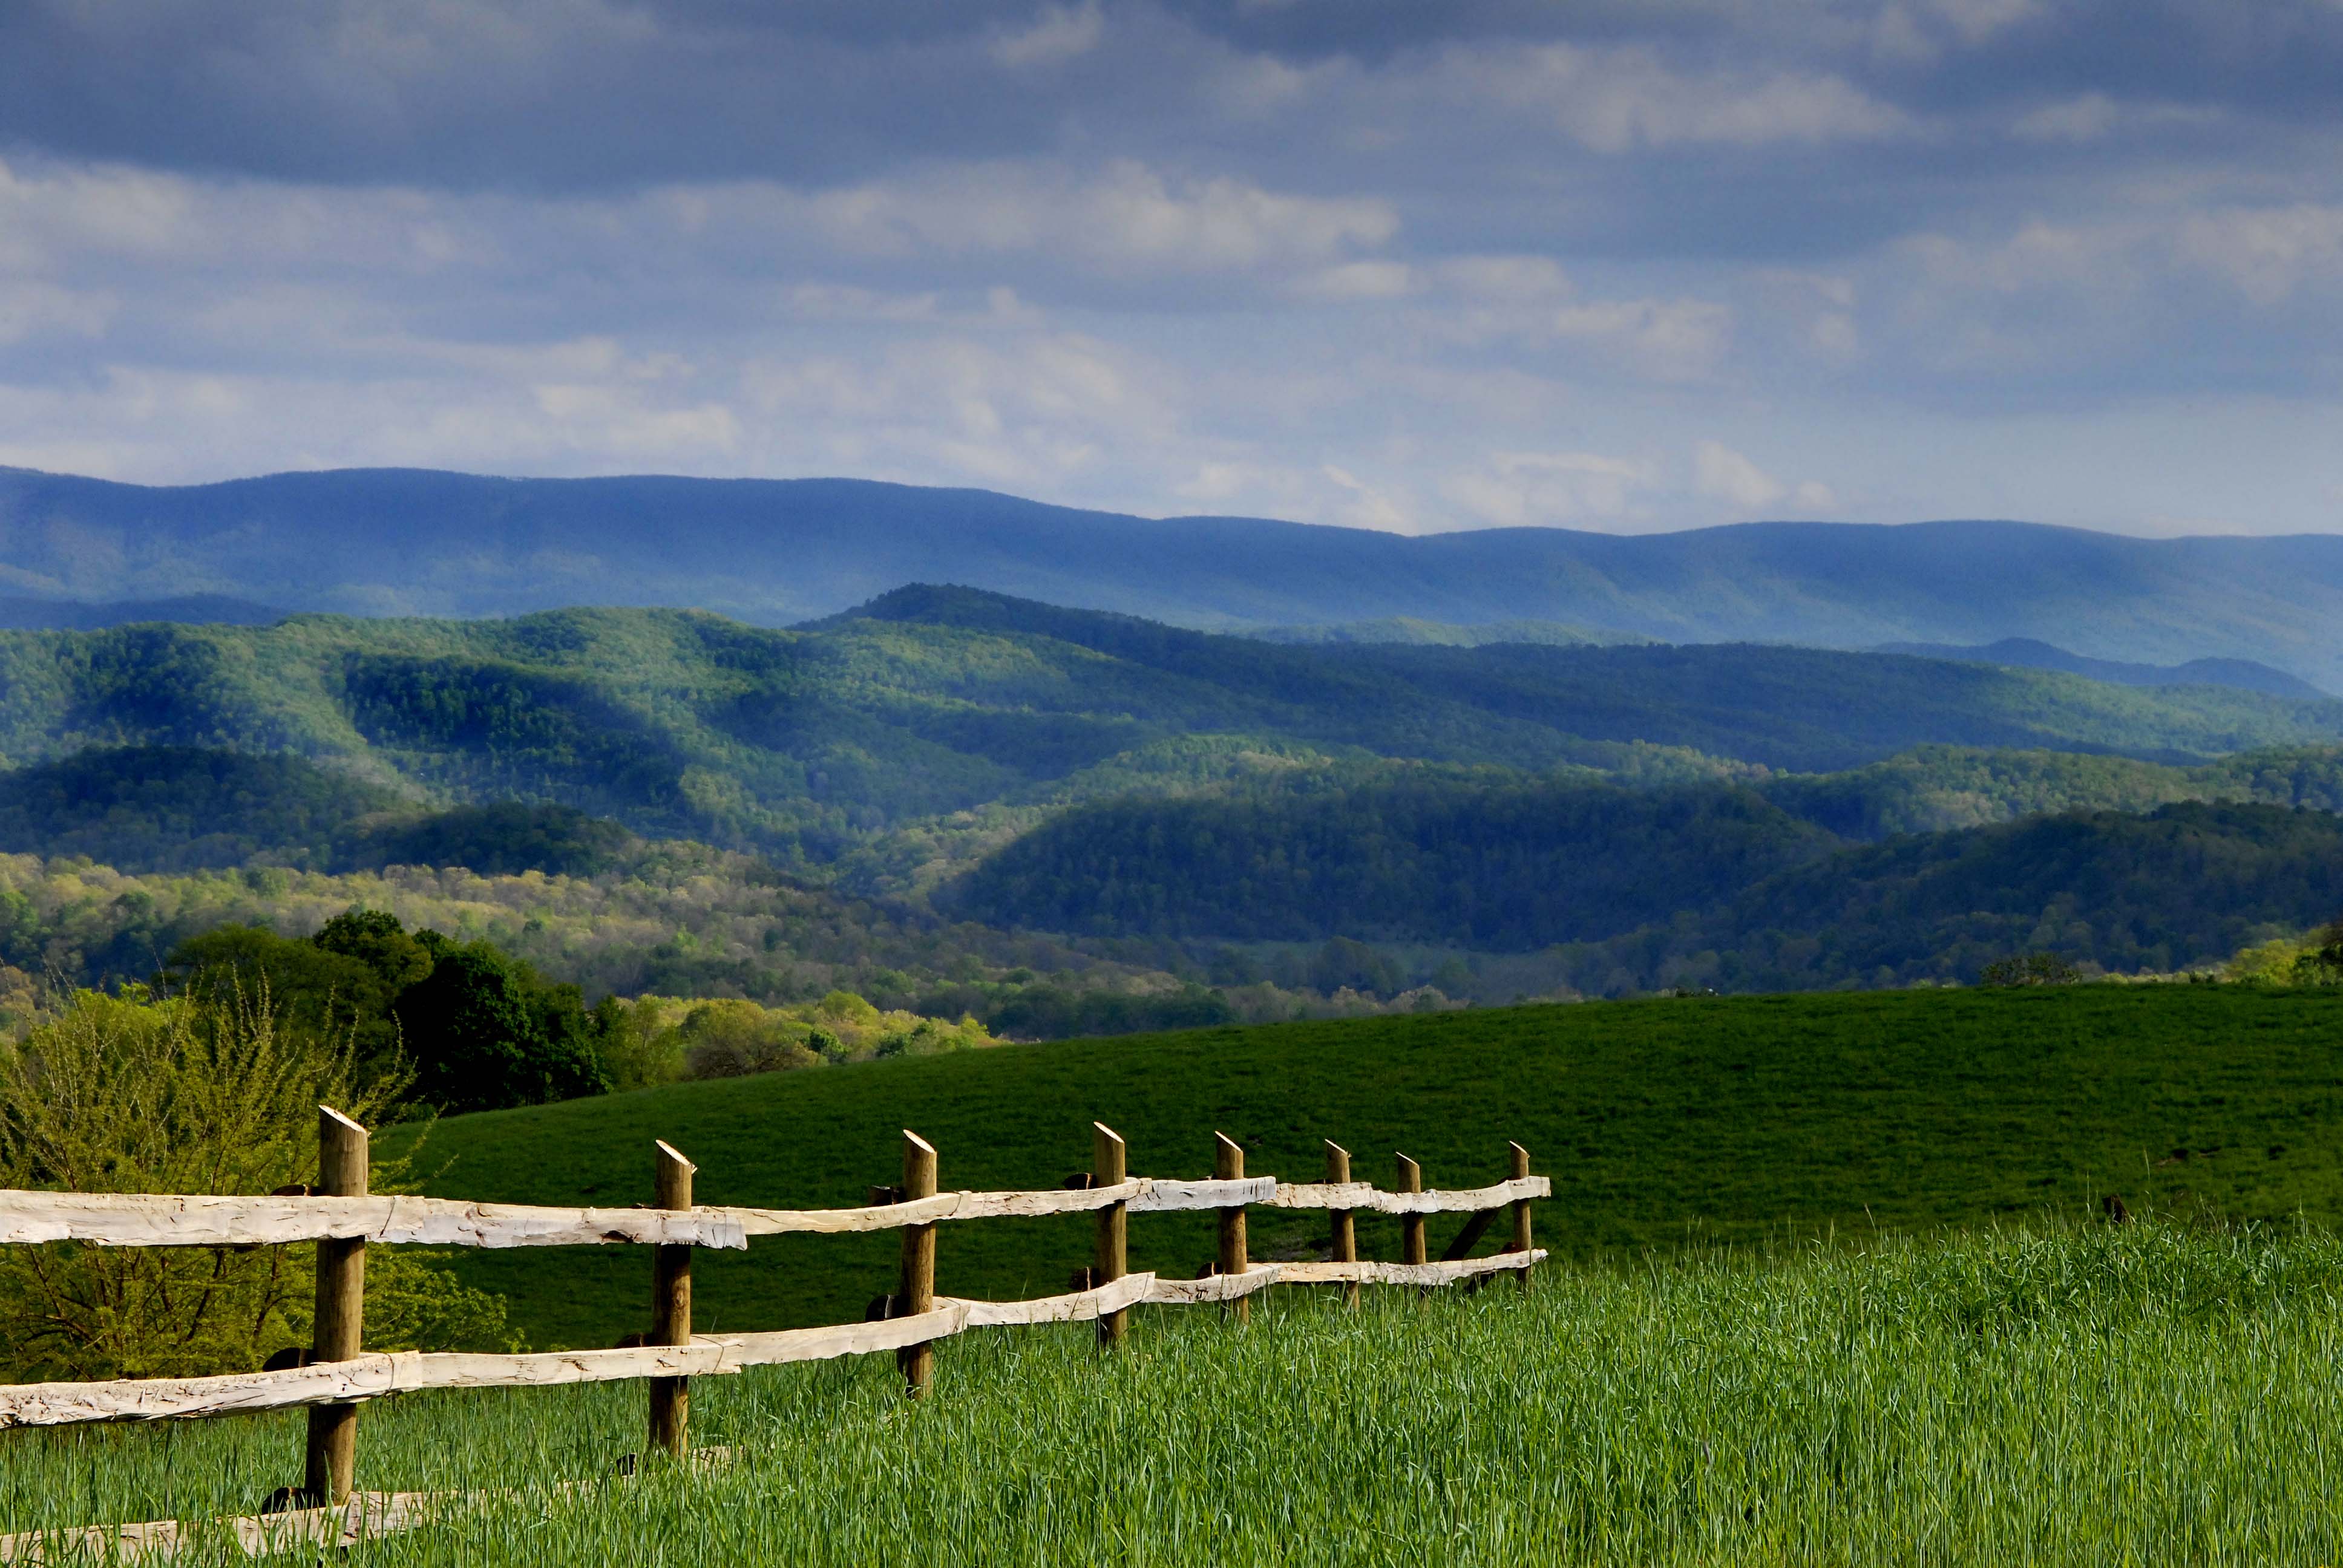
918	1295
1110	1163
670	1303
1346	1227
1521	1213
1411	1226
1228	1164
330	1465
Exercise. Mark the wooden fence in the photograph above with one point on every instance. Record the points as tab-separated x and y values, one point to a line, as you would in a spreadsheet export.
343	1220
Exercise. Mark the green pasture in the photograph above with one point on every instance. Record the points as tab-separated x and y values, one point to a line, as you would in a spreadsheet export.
1664	1124
2089	1395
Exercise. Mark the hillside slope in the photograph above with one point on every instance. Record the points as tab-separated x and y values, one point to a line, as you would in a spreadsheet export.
808	744
1697	886
416	542
1660	1122
2029	654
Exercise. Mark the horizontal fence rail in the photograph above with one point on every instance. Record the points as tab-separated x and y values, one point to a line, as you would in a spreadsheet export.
155	1219
343	1220
378	1374
1361	1198
142	1220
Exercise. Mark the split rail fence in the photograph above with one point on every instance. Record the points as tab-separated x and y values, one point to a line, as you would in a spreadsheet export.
343	1220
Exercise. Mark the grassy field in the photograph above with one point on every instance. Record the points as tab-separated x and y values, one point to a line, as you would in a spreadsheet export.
2092	1395
1663	1124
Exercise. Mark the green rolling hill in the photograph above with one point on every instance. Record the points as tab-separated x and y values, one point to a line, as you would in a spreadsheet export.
953	753
1663	1124
810	745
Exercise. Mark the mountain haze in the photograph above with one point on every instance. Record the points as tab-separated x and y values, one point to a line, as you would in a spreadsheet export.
404	542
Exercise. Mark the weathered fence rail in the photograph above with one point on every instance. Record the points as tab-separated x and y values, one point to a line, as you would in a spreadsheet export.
140	1220
343	1221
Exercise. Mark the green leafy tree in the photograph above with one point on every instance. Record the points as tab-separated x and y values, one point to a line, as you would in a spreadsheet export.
2030	969
309	986
486	1031
2323	964
213	1090
375	938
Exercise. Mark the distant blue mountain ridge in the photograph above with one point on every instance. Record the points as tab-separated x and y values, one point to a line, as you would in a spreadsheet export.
779	551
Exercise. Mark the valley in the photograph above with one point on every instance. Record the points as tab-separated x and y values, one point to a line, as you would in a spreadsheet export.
1061	820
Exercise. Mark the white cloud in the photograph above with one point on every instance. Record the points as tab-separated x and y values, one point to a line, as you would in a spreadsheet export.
1217	483
1031	410
1359	280
1722	474
1506	278
2093	116
2080	119
57	212
1127	216
1614	100
2041	253
32	306
845	301
629	424
1918	33
1664	339
1833	335
1368	506
1977	21
2267	251
1059	34
1525	490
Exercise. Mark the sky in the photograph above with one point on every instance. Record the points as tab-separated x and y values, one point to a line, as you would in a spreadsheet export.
1406	265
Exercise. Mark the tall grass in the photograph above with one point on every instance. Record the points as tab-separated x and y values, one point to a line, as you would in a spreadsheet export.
2099	1395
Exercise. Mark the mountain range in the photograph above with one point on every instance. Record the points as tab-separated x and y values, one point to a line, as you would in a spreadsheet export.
807	744
773	552
1641	814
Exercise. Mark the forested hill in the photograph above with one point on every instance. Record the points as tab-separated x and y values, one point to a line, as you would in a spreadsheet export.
776	551
1703	886
806	745
2027	653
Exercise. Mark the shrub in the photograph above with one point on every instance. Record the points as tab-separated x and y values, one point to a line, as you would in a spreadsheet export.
731	1039
2031	968
213	1091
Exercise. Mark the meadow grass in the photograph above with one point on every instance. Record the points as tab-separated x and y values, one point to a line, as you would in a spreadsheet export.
2091	1394
1728	1120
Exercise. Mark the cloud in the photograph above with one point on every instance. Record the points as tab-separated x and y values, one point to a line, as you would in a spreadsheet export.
1031	410
2094	116
29	308
1506	278
2041	254
1061	33
1617	100
1486	262
2085	119
1524	489
1125	215
1720	471
1358	280
2268	252
1665	339
1723	474
1368	506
